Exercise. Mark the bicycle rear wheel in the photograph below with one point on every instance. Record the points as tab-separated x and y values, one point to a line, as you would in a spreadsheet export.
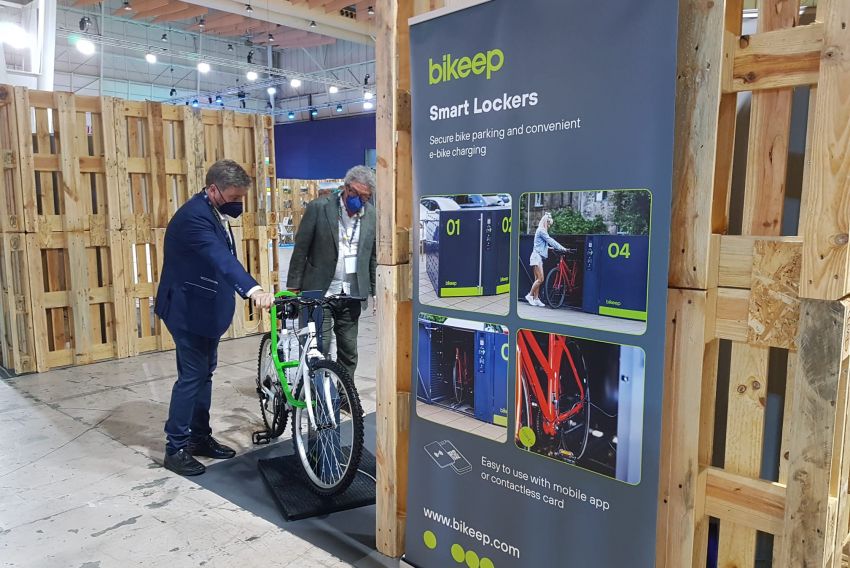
330	445
575	432
556	291
272	401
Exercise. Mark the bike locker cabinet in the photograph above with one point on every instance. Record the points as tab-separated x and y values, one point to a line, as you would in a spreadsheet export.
615	275
470	253
491	377
432	386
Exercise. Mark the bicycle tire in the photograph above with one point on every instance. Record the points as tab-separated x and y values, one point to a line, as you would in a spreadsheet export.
275	413
339	485
584	415
555	298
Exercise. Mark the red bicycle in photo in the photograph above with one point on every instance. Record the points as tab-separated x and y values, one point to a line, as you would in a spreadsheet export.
552	395
561	280
461	381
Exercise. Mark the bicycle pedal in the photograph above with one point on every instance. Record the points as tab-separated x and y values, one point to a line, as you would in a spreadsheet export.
262	437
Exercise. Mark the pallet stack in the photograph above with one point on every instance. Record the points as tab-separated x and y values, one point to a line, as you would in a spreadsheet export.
767	312
88	187
295	194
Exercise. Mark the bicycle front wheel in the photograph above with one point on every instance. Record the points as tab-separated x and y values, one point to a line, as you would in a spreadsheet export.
556	291
272	400
328	432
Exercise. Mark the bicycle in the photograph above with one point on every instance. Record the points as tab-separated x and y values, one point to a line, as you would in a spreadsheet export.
327	423
565	371
561	280
460	375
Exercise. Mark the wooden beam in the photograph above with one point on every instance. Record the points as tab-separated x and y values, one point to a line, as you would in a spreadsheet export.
169	8
337	5
812	447
826	191
187	12
775	59
700	57
223	21
752	503
680	432
307	42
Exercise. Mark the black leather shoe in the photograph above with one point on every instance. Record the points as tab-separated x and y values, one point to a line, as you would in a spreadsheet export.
210	448
182	463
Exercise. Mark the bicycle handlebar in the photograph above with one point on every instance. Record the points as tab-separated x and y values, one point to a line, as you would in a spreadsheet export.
567	251
284	298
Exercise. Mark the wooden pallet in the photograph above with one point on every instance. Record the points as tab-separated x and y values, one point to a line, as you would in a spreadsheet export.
774	303
89	185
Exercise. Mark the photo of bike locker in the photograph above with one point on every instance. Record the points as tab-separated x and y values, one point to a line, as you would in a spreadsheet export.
462	368
467	250
580	402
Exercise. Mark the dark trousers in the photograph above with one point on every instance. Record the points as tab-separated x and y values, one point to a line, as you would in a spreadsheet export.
189	412
345	323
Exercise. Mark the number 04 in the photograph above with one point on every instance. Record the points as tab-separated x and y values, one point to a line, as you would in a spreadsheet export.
615	250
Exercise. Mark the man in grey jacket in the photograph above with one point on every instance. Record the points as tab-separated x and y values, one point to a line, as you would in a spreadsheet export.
335	253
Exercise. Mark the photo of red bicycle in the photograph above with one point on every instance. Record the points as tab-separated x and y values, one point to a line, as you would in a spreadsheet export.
562	280
580	402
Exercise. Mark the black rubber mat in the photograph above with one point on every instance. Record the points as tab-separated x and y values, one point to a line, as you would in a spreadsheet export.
295	499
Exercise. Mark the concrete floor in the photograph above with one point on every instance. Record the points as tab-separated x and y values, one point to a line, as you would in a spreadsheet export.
497	305
460	421
81	485
580	319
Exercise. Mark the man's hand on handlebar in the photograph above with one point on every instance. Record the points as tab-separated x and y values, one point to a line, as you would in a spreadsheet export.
263	299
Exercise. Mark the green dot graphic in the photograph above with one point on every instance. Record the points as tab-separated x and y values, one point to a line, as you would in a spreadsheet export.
457	553
471	559
486	563
527	436
430	540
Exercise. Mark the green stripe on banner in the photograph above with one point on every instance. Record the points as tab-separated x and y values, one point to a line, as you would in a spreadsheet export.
500	420
503	288
620	313
453	292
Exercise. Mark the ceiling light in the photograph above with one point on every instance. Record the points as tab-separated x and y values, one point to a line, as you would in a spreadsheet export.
202	24
14	36
195	103
218	99
85	22
271	91
229	47
368	105
291	115
368	95
172	92
127	6
251	75
209	100
312	23
339	108
150	58
249	8
295	83
271	38
85	47
164	37
370	10
314	112
333	89
204	67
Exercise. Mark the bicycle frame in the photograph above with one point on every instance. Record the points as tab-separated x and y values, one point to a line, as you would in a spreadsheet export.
529	352
281	366
566	274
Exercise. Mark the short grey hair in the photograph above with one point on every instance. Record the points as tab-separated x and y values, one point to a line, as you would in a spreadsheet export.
227	173
361	174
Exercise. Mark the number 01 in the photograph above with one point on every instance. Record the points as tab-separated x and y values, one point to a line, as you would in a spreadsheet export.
615	250
453	227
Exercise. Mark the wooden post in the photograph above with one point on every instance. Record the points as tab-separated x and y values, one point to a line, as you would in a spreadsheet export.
395	211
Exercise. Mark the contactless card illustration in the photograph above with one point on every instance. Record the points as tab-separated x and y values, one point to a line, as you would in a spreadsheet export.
460	464
439	455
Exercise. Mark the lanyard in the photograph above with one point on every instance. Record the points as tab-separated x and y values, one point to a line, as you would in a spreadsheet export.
346	238
228	234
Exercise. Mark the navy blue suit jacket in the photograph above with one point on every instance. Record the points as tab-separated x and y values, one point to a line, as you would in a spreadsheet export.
199	272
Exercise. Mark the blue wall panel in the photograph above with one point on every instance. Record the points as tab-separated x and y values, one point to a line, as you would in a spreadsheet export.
323	149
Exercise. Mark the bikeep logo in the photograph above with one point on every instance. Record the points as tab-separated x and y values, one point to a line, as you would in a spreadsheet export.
452	68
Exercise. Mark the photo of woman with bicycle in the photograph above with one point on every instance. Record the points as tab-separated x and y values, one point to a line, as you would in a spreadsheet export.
580	402
584	258
542	243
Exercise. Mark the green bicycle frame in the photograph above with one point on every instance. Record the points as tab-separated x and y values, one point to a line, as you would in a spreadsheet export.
279	365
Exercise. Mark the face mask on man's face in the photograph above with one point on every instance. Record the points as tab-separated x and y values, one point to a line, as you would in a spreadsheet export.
232	209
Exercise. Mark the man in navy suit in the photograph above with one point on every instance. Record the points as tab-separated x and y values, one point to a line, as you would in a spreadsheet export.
200	273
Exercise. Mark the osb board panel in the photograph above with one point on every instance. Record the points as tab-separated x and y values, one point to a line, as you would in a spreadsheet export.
774	310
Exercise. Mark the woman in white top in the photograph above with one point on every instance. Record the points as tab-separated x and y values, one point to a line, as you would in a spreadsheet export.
542	242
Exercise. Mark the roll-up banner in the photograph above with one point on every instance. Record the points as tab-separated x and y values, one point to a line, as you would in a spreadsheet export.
542	155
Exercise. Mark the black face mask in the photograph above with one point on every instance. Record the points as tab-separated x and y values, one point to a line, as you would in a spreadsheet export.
232	209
